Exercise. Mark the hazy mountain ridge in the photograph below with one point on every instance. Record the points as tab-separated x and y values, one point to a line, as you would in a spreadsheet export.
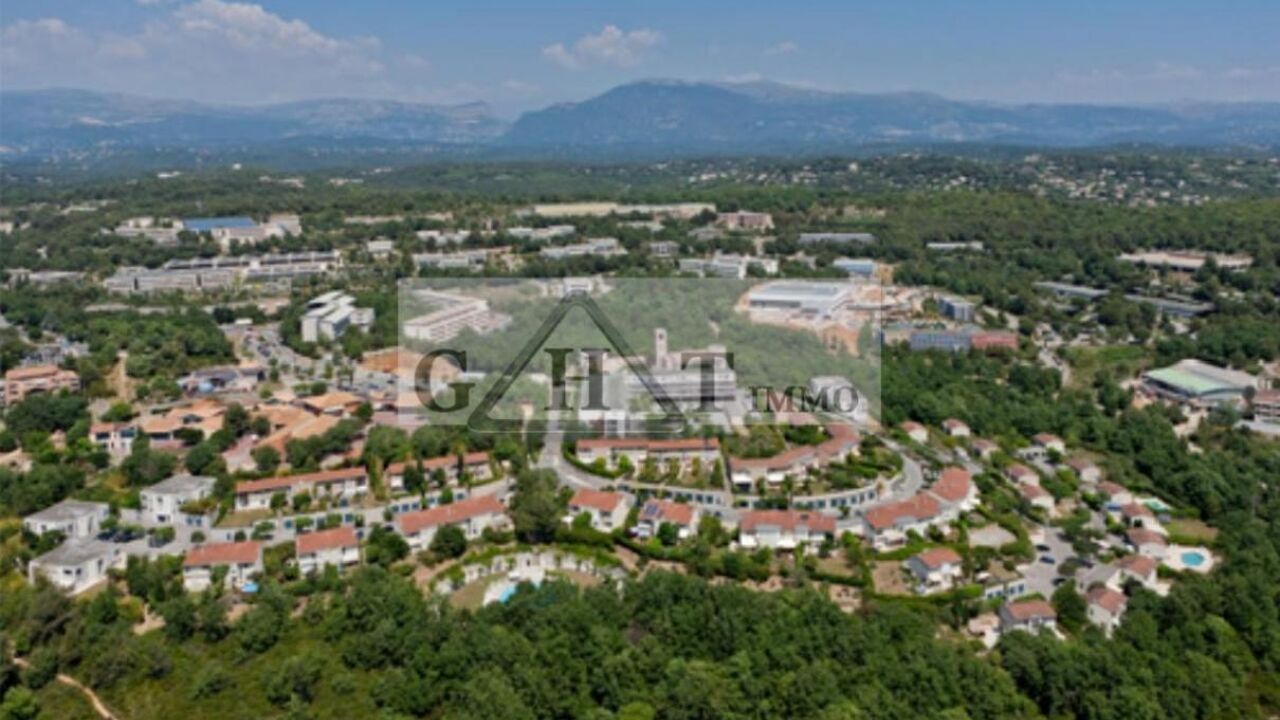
52	120
715	115
650	117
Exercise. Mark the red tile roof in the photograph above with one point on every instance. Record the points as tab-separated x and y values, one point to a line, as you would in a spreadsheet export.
231	553
1111	489
920	506
1108	599
273	484
1141	536
934	558
1140	565
411	522
339	537
651	445
670	512
1030	609
1032	492
442	462
597	500
953	485
787	520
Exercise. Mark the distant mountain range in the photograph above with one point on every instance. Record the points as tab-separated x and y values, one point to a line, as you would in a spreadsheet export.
48	121
645	118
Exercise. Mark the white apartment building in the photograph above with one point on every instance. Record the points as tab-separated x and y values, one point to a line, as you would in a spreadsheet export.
78	564
162	503
72	518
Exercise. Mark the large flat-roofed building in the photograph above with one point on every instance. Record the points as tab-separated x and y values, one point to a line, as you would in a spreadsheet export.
729	266
453	314
957	309
329	315
1186	261
856	267
465	260
744	220
601	247
818	298
542	234
1067	290
836	238
1168	306
23	381
1199	383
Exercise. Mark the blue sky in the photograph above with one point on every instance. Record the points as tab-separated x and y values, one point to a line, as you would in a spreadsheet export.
521	55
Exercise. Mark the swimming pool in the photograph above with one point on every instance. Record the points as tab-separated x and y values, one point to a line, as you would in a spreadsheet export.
1192	559
510	590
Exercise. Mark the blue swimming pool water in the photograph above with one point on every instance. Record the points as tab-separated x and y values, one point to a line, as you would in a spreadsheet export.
1192	559
509	591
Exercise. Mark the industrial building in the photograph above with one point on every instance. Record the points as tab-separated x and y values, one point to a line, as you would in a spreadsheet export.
817	298
1198	383
329	315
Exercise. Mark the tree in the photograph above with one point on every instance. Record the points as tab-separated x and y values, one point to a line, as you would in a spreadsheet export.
179	613
414	480
266	458
1070	606
449	542
19	704
385	547
535	506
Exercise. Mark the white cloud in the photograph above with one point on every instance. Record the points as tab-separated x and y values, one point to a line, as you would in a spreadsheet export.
786	47
209	49
610	46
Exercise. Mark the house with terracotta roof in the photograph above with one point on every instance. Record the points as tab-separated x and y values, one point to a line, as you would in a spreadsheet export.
662	451
1049	442
984	448
473	515
1137	515
915	431
242	560
607	510
1037	497
1140	568
23	381
475	465
935	570
1147	543
784	529
956	428
1106	607
337	402
1028	615
955	492
1022	474
340	484
842	440
1114	494
204	415
1085	469
656	513
339	547
114	437
887	525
